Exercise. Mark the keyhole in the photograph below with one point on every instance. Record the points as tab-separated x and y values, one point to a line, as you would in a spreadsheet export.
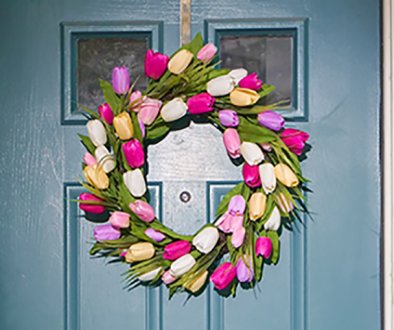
185	196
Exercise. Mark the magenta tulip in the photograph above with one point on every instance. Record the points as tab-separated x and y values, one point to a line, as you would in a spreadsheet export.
120	219
207	52
244	273
154	234
176	250
228	118
144	211
271	120
238	237
223	275
251	175
91	208
89	159
155	64
142	127
134	153
106	233
251	81
200	103
106	113
294	140
120	80
263	247
149	110
167	278
232	142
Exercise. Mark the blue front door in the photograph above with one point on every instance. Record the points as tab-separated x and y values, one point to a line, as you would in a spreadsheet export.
323	57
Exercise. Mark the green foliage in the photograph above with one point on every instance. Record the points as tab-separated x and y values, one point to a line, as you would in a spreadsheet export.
111	97
255	133
273	235
237	190
87	143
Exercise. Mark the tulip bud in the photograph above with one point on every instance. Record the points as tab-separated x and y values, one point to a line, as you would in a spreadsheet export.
273	222
251	81
106	113
242	97
120	80
263	247
206	239
238	237
229	223
96	132
294	140
149	110
149	276
135	100
198	282
267	176
237	75
142	127
252	153
271	120
285	205
244	272
144	211
106	233
135	182
154	234
180	61
124	126
176	250
228	118
140	251
91	208
207	52
223	275
89	159
257	205
155	64
232	142
251	175
120	219
220	86
104	158
285	175
266	146
173	110
167	278
134	153
200	103
182	265
96	177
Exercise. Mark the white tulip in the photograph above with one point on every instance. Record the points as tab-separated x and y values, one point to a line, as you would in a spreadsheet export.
173	110
237	75
267	177
96	132
273	222
149	276
206	239
252	153
104	158
135	182
220	86
182	265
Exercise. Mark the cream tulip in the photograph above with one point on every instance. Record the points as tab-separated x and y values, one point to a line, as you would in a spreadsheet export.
273	222
198	282
182	265
252	153
180	61
206	239
238	74
123	126
220	86
96	132
257	205
149	276
135	182
242	97
267	177
285	175
96	177
140	251
104	158
173	110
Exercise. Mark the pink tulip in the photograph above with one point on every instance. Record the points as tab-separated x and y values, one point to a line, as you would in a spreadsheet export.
176	250
223	275
238	237
136	99
134	153
120	80
106	233
89	159
244	273
207	52
232	220
251	175
149	110
144	211
251	81
106	113
285	205
263	247
154	234
91	208
167	278
155	64
120	219
200	103
232	142
294	139
123	254
142	127
228	118
266	146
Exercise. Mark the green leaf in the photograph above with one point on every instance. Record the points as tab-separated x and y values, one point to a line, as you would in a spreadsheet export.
87	143
255	133
136	126
157	129
194	46
265	90
217	73
92	113
237	190
258	262
273	235
110	96
157	225
259	225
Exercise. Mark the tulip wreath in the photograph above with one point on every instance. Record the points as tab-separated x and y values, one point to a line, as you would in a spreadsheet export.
244	234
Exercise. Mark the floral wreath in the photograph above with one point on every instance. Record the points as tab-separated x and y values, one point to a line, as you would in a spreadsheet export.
244	235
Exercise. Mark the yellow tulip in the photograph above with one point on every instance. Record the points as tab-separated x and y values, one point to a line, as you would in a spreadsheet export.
180	61
285	175
257	205
96	177
123	126
140	251
242	97
198	282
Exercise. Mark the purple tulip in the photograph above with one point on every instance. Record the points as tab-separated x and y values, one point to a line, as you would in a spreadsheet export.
176	250
264	247
232	220
154	234
271	120
106	113
89	159
120	80
120	220
238	237
144	211
232	142
251	81
237	205
294	139
155	64
200	103
134	153
223	275
228	118
207	52
244	273
106	233
142	127
91	208
251	175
